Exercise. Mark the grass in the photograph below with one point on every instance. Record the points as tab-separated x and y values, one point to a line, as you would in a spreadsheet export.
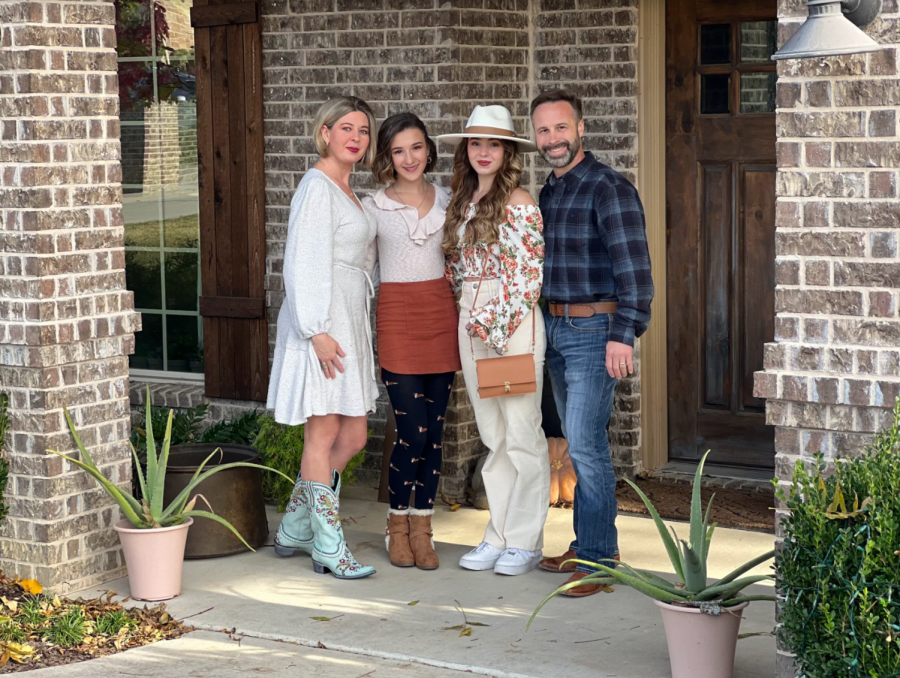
12	633
67	630
111	623
178	232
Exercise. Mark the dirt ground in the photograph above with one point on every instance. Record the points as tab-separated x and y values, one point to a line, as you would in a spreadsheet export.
744	509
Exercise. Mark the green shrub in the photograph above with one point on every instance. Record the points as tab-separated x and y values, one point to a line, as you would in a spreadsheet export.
839	570
187	427
11	632
110	623
241	430
66	630
4	466
281	447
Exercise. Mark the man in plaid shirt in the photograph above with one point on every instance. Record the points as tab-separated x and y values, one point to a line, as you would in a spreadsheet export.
597	293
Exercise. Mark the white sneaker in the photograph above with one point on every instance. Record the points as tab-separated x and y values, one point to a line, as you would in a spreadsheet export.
517	561
482	557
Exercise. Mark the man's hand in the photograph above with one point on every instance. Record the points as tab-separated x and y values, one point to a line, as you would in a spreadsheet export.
619	359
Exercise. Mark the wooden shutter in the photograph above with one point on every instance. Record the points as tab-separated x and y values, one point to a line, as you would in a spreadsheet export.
228	39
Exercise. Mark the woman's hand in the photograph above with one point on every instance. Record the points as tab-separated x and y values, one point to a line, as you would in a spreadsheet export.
328	351
470	330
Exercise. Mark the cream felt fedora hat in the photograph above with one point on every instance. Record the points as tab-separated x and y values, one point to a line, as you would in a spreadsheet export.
492	122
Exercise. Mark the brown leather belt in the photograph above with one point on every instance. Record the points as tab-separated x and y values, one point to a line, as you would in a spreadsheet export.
582	310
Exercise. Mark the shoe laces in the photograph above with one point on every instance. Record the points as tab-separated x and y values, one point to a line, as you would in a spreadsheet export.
482	547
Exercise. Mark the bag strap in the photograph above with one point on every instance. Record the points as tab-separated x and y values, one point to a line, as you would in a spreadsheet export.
487	252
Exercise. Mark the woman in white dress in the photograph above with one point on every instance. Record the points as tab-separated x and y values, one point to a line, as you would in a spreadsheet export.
493	238
323	373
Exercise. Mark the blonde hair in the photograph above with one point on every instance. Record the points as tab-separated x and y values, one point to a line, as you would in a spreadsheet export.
490	211
328	115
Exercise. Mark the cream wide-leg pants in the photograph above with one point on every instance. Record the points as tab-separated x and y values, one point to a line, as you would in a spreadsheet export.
517	470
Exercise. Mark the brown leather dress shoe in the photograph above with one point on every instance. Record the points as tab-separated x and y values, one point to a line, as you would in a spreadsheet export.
556	564
586	589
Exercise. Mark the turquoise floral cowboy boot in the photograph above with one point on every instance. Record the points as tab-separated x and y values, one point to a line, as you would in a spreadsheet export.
295	532
330	553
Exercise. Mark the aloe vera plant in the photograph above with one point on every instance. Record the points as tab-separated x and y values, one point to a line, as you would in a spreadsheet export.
149	512
688	560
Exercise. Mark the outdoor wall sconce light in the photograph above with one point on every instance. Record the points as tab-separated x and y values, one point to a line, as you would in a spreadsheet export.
833	28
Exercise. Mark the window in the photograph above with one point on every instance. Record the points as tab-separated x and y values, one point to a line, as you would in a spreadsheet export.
157	99
736	71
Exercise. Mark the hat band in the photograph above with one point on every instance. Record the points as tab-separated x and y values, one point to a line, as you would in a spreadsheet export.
489	131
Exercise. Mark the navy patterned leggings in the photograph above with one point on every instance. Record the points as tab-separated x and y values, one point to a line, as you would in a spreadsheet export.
419	402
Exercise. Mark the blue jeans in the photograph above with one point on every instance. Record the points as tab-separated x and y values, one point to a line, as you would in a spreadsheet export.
584	392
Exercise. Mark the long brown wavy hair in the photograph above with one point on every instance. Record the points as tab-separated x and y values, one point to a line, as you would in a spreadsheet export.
490	211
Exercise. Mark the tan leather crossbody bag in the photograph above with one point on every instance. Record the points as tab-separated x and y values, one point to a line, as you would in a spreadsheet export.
504	375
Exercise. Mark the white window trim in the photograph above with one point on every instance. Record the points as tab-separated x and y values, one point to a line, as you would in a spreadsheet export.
160	377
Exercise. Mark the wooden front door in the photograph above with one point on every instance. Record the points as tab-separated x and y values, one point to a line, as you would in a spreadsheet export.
720	167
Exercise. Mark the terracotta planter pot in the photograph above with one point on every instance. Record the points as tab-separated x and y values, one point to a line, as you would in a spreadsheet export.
154	558
701	645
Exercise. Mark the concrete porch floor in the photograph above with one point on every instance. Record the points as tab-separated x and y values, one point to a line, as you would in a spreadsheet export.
273	599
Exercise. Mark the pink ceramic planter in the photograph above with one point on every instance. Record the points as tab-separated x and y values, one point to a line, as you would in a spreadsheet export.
701	645
154	558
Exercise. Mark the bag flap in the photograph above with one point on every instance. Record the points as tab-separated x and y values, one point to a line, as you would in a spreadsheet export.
515	369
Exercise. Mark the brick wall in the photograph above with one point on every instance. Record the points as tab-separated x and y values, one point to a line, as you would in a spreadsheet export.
833	372
66	321
440	59
590	47
427	56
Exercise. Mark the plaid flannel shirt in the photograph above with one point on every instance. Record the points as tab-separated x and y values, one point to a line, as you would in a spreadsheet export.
596	245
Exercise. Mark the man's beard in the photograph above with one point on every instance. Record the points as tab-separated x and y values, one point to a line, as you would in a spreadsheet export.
563	160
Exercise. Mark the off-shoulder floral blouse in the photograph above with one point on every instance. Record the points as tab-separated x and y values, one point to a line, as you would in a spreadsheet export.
517	260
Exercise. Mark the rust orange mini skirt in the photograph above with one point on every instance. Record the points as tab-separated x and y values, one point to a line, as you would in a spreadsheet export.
417	327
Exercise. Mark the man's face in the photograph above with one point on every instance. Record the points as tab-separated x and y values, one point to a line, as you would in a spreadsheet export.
557	133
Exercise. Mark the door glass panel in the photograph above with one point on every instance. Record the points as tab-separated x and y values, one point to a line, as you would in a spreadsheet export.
757	93
714	93
758	41
715	44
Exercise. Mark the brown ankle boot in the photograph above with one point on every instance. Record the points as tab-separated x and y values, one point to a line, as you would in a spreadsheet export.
397	538
420	539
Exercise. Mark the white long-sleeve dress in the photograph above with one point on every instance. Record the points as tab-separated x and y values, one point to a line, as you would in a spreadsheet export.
327	261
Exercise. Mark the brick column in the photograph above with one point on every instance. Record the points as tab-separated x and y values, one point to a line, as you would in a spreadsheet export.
833	372
66	321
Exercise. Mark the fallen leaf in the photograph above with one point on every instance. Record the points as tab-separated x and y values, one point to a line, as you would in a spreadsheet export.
477	624
31	586
326	619
465	632
454	507
415	602
454	628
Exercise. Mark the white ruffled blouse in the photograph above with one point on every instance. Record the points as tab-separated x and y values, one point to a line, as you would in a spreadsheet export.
409	248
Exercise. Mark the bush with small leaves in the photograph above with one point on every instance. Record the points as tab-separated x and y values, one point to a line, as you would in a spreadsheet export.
838	571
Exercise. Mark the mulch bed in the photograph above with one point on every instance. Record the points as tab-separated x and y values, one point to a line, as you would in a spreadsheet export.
34	613
744	509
